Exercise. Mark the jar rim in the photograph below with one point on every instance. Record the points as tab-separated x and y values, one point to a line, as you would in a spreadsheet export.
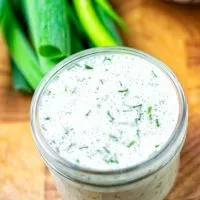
45	149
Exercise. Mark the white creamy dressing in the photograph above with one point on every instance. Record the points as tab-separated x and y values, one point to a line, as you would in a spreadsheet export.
108	111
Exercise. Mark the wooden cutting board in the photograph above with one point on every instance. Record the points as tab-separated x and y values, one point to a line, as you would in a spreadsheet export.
168	31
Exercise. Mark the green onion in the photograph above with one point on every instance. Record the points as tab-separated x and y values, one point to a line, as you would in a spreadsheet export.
20	50
2	9
18	80
108	23
47	64
76	42
74	20
92	25
110	11
52	38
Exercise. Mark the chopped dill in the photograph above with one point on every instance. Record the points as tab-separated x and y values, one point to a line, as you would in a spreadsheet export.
88	67
157	123
131	143
110	116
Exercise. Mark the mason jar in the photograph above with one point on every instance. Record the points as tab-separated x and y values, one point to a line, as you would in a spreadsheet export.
151	179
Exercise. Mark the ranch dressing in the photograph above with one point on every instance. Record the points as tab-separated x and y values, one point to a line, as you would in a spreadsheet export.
109	111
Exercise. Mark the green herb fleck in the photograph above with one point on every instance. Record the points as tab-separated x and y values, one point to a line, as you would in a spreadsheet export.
112	160
110	116
156	146
107	59
138	118
131	143
125	90
88	113
65	88
136	106
154	74
47	118
70	146
157	123
78	161
83	147
138	133
44	128
101	80
74	90
139	105
149	111
106	149
88	67
114	138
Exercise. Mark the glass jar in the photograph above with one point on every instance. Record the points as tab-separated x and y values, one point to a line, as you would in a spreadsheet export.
149	180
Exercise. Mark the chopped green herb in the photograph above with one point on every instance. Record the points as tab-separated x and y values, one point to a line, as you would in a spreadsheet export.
83	147
139	105
70	146
114	138
101	80
112	160
98	150
131	143
110	116
44	128
106	149
107	59
88	113
157	123
154	74
65	88
125	90
150	112
88	67
78	161
138	118
120	83
47	118
138	133
136	106
157	145
74	90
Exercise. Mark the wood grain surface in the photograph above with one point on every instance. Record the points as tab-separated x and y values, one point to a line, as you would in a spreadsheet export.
168	31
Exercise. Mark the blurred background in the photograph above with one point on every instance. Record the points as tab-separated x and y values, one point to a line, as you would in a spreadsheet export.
37	34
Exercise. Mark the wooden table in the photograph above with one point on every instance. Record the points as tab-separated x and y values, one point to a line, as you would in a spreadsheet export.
170	32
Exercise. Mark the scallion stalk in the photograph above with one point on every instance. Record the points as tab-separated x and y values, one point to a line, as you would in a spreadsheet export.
20	49
49	27
108	23
92	24
111	12
18	81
